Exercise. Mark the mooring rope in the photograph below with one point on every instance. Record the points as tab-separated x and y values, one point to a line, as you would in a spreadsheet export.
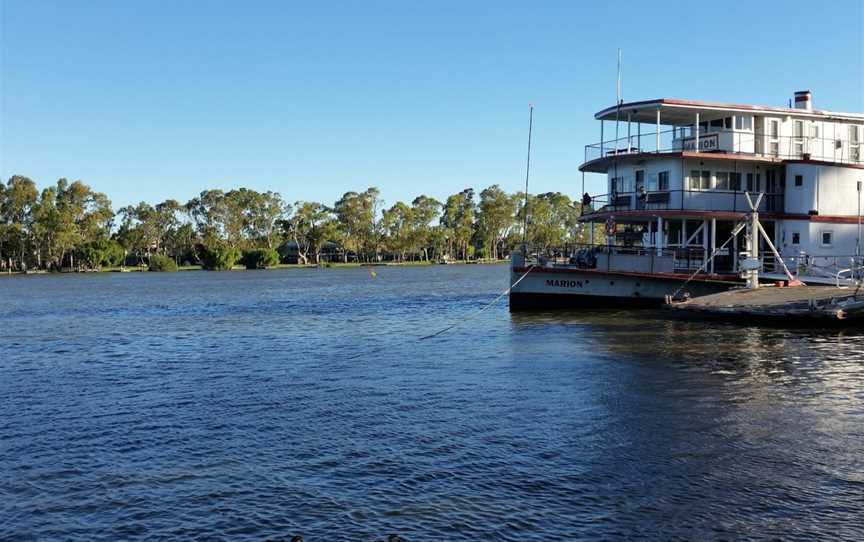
453	325
477	313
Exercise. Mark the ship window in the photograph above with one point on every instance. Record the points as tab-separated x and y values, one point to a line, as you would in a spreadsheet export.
743	122
774	136
827	238
799	128
622	185
796	238
727	123
799	180
722	180
700	180
663	180
854	144
774	128
735	181
717	123
753	182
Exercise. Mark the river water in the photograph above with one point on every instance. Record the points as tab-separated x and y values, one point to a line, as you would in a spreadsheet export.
256	405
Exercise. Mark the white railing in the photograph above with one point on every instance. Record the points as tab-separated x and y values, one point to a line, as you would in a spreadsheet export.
762	144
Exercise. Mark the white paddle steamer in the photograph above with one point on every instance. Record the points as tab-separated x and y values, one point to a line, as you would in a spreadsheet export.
677	189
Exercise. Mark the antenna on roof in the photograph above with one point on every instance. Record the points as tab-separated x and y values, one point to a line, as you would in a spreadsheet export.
618	84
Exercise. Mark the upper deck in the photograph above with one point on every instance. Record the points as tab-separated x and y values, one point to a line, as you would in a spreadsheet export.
674	127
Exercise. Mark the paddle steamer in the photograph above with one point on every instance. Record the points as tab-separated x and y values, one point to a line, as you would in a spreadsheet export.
677	188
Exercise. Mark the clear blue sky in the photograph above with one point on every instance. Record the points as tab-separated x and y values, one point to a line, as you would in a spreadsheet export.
148	100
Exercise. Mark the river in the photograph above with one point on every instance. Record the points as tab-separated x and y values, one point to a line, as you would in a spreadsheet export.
262	404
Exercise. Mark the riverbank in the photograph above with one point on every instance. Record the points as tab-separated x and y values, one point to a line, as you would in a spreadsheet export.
185	268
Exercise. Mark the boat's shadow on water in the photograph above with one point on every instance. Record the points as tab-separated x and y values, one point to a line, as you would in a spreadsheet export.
661	336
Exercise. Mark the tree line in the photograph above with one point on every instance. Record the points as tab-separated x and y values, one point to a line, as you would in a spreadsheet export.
69	226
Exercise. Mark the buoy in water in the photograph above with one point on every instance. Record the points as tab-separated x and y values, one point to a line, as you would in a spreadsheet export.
373	274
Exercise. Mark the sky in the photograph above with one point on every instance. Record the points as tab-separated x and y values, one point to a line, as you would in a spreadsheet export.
151	100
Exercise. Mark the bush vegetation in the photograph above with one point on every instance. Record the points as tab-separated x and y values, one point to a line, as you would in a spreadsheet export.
161	263
220	258
261	258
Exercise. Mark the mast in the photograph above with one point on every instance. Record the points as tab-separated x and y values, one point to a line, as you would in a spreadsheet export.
527	173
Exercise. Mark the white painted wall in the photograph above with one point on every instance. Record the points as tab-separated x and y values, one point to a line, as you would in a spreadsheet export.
844	238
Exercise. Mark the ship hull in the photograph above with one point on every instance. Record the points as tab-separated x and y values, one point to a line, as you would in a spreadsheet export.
550	288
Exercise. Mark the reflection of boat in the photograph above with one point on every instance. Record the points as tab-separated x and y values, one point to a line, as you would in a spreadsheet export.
677	194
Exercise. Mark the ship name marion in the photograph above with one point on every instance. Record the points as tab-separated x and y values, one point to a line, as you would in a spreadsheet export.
558	283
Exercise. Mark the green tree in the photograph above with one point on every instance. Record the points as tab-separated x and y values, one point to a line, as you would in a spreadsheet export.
424	210
359	228
219	258
80	215
552	220
396	224
161	263
309	227
260	258
458	218
495	219
16	216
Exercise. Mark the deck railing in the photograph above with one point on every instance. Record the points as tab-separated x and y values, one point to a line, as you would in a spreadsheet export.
695	200
761	144
594	256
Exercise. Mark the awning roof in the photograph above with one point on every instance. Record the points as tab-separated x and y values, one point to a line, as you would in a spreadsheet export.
680	112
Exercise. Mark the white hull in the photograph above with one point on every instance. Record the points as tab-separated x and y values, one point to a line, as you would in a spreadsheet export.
546	288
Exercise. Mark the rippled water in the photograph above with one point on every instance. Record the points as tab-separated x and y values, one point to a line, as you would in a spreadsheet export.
256	405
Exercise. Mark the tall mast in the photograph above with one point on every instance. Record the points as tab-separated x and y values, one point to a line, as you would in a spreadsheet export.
527	173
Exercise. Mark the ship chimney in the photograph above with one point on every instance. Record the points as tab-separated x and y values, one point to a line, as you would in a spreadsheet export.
803	100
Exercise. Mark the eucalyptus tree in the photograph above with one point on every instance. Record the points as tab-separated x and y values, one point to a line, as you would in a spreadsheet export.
357	215
552	219
397	222
309	227
424	210
495	218
16	215
147	229
209	212
262	211
458	218
81	215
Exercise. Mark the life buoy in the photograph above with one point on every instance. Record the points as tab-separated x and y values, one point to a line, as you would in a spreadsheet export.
610	226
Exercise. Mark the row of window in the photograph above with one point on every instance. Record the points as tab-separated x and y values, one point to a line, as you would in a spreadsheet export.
657	182
704	179
735	181
827	238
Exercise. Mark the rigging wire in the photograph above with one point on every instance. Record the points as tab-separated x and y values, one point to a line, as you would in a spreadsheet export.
735	231
477	313
454	325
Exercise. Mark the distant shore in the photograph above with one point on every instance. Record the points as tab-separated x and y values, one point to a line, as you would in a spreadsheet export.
184	268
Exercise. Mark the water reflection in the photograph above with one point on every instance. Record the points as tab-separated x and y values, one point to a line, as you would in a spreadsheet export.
252	405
